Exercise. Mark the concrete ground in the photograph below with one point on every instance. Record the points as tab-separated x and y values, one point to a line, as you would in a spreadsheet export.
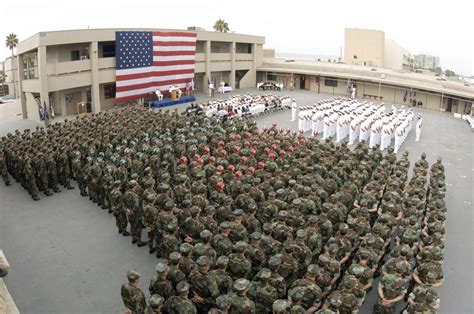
67	256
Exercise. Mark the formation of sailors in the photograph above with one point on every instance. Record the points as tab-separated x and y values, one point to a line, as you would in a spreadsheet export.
342	118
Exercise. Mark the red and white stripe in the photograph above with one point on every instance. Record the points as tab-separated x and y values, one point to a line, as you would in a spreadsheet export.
173	64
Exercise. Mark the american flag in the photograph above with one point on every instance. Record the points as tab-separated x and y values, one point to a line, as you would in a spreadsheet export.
147	61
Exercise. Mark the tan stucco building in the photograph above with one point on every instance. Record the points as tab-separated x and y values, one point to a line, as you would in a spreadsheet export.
364	47
67	67
377	84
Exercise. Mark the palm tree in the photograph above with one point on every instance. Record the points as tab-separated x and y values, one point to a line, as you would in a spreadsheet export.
11	42
2	81
221	26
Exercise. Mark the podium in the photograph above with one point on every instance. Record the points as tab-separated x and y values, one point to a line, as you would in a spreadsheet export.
174	94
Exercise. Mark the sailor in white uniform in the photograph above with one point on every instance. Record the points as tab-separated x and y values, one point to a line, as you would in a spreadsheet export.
293	110
419	124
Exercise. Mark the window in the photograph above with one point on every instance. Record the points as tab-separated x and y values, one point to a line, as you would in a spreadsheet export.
109	91
108	51
355	57
330	81
271	77
75	55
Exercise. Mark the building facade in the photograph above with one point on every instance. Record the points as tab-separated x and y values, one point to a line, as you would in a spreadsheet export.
64	68
364	47
427	62
9	68
391	86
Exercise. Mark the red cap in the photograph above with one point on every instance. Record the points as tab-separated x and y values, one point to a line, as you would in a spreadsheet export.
230	168
183	160
247	144
220	168
212	159
243	160
238	174
252	152
223	153
207	149
250	170
261	165
220	186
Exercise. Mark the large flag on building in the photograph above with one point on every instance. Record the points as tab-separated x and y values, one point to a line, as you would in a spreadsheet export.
147	61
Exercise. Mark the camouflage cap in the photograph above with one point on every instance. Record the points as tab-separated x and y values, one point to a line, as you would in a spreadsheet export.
256	236
170	204
171	227
223	302
281	306
161	268
241	284
312	269
182	286
296	294
174	256
301	233
225	225
132	183
349	282
205	234
283	214
389	279
296	201
358	270
240	246
132	274
264	273
156	301
222	260
238	212
203	261
333	248
335	299
185	248
274	261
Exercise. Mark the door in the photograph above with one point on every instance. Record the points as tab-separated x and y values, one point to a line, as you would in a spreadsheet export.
302	82
450	105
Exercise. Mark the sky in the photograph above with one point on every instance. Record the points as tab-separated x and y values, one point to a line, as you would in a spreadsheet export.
440	28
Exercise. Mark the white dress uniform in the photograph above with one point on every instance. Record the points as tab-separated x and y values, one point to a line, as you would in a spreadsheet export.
365	130
300	120
399	137
293	111
375	133
386	136
326	126
354	130
419	124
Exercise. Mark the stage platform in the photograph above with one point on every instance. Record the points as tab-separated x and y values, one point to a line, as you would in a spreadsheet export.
168	102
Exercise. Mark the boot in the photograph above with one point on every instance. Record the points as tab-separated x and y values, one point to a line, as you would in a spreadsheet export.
35	197
141	243
56	190
152	250
48	193
125	233
8	183
134	241
70	188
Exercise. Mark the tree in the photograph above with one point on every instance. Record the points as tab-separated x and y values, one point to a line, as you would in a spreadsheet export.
221	26
449	73
438	71
11	42
2	81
